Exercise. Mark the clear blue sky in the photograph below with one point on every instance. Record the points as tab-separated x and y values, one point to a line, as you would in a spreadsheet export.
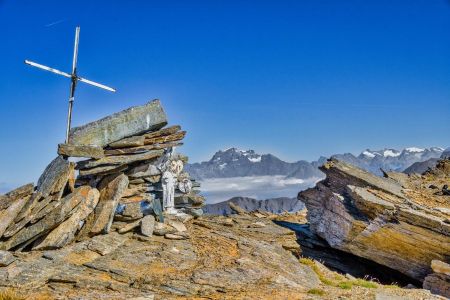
298	79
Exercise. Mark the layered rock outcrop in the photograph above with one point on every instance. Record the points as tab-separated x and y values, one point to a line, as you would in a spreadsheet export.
397	221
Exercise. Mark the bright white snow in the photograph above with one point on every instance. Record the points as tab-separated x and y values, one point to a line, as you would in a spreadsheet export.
390	153
254	159
368	154
414	149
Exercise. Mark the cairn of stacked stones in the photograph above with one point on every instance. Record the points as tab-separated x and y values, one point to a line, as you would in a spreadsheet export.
112	175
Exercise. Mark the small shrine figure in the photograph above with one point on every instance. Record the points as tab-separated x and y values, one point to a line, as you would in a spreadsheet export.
168	181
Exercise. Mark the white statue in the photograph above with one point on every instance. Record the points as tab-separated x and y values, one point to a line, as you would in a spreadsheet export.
168	181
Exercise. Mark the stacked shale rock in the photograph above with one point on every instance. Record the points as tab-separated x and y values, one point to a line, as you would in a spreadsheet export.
115	186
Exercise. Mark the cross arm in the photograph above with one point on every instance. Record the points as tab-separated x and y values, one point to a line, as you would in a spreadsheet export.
47	68
96	84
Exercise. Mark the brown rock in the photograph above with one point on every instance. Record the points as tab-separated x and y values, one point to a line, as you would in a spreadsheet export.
163	132
109	198
81	151
8	215
132	141
119	160
65	232
237	209
142	149
165	139
21	192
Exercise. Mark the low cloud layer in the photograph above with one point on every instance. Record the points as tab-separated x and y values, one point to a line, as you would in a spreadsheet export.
258	187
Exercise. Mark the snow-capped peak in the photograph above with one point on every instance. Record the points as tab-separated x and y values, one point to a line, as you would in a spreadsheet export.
391	153
369	154
414	149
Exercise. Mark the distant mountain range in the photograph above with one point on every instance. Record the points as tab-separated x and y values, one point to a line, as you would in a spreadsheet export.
233	172
275	206
233	162
422	166
238	163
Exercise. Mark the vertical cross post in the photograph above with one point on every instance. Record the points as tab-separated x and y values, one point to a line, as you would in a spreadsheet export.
73	82
74	78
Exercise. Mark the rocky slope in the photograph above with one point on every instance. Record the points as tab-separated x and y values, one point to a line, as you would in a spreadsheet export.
398	221
274	206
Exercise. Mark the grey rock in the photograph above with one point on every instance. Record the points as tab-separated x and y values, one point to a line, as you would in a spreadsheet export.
148	225
438	283
55	176
143	171
133	210
105	244
81	151
6	258
119	160
132	121
106	207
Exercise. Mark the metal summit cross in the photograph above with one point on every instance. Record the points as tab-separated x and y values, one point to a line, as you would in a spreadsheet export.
74	79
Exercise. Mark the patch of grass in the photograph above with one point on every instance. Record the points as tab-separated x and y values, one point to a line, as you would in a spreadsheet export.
392	286
309	262
8	294
316	292
345	285
365	283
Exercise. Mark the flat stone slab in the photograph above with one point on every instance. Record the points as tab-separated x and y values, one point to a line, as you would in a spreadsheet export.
81	151
132	121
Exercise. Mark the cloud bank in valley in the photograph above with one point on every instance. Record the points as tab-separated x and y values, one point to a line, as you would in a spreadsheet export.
258	187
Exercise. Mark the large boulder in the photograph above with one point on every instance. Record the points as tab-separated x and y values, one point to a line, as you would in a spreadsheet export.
132	121
378	219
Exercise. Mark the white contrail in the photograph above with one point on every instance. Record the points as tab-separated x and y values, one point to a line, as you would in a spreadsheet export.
54	23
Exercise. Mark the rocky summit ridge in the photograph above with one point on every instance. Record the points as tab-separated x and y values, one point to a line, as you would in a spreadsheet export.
399	221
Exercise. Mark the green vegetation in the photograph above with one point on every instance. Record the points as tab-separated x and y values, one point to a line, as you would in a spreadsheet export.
338	280
316	292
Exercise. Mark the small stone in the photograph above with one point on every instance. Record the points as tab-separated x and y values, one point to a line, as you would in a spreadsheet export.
179	226
119	160
257	225
162	229
148	225
196	212
6	258
130	226
174	236
132	210
440	267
